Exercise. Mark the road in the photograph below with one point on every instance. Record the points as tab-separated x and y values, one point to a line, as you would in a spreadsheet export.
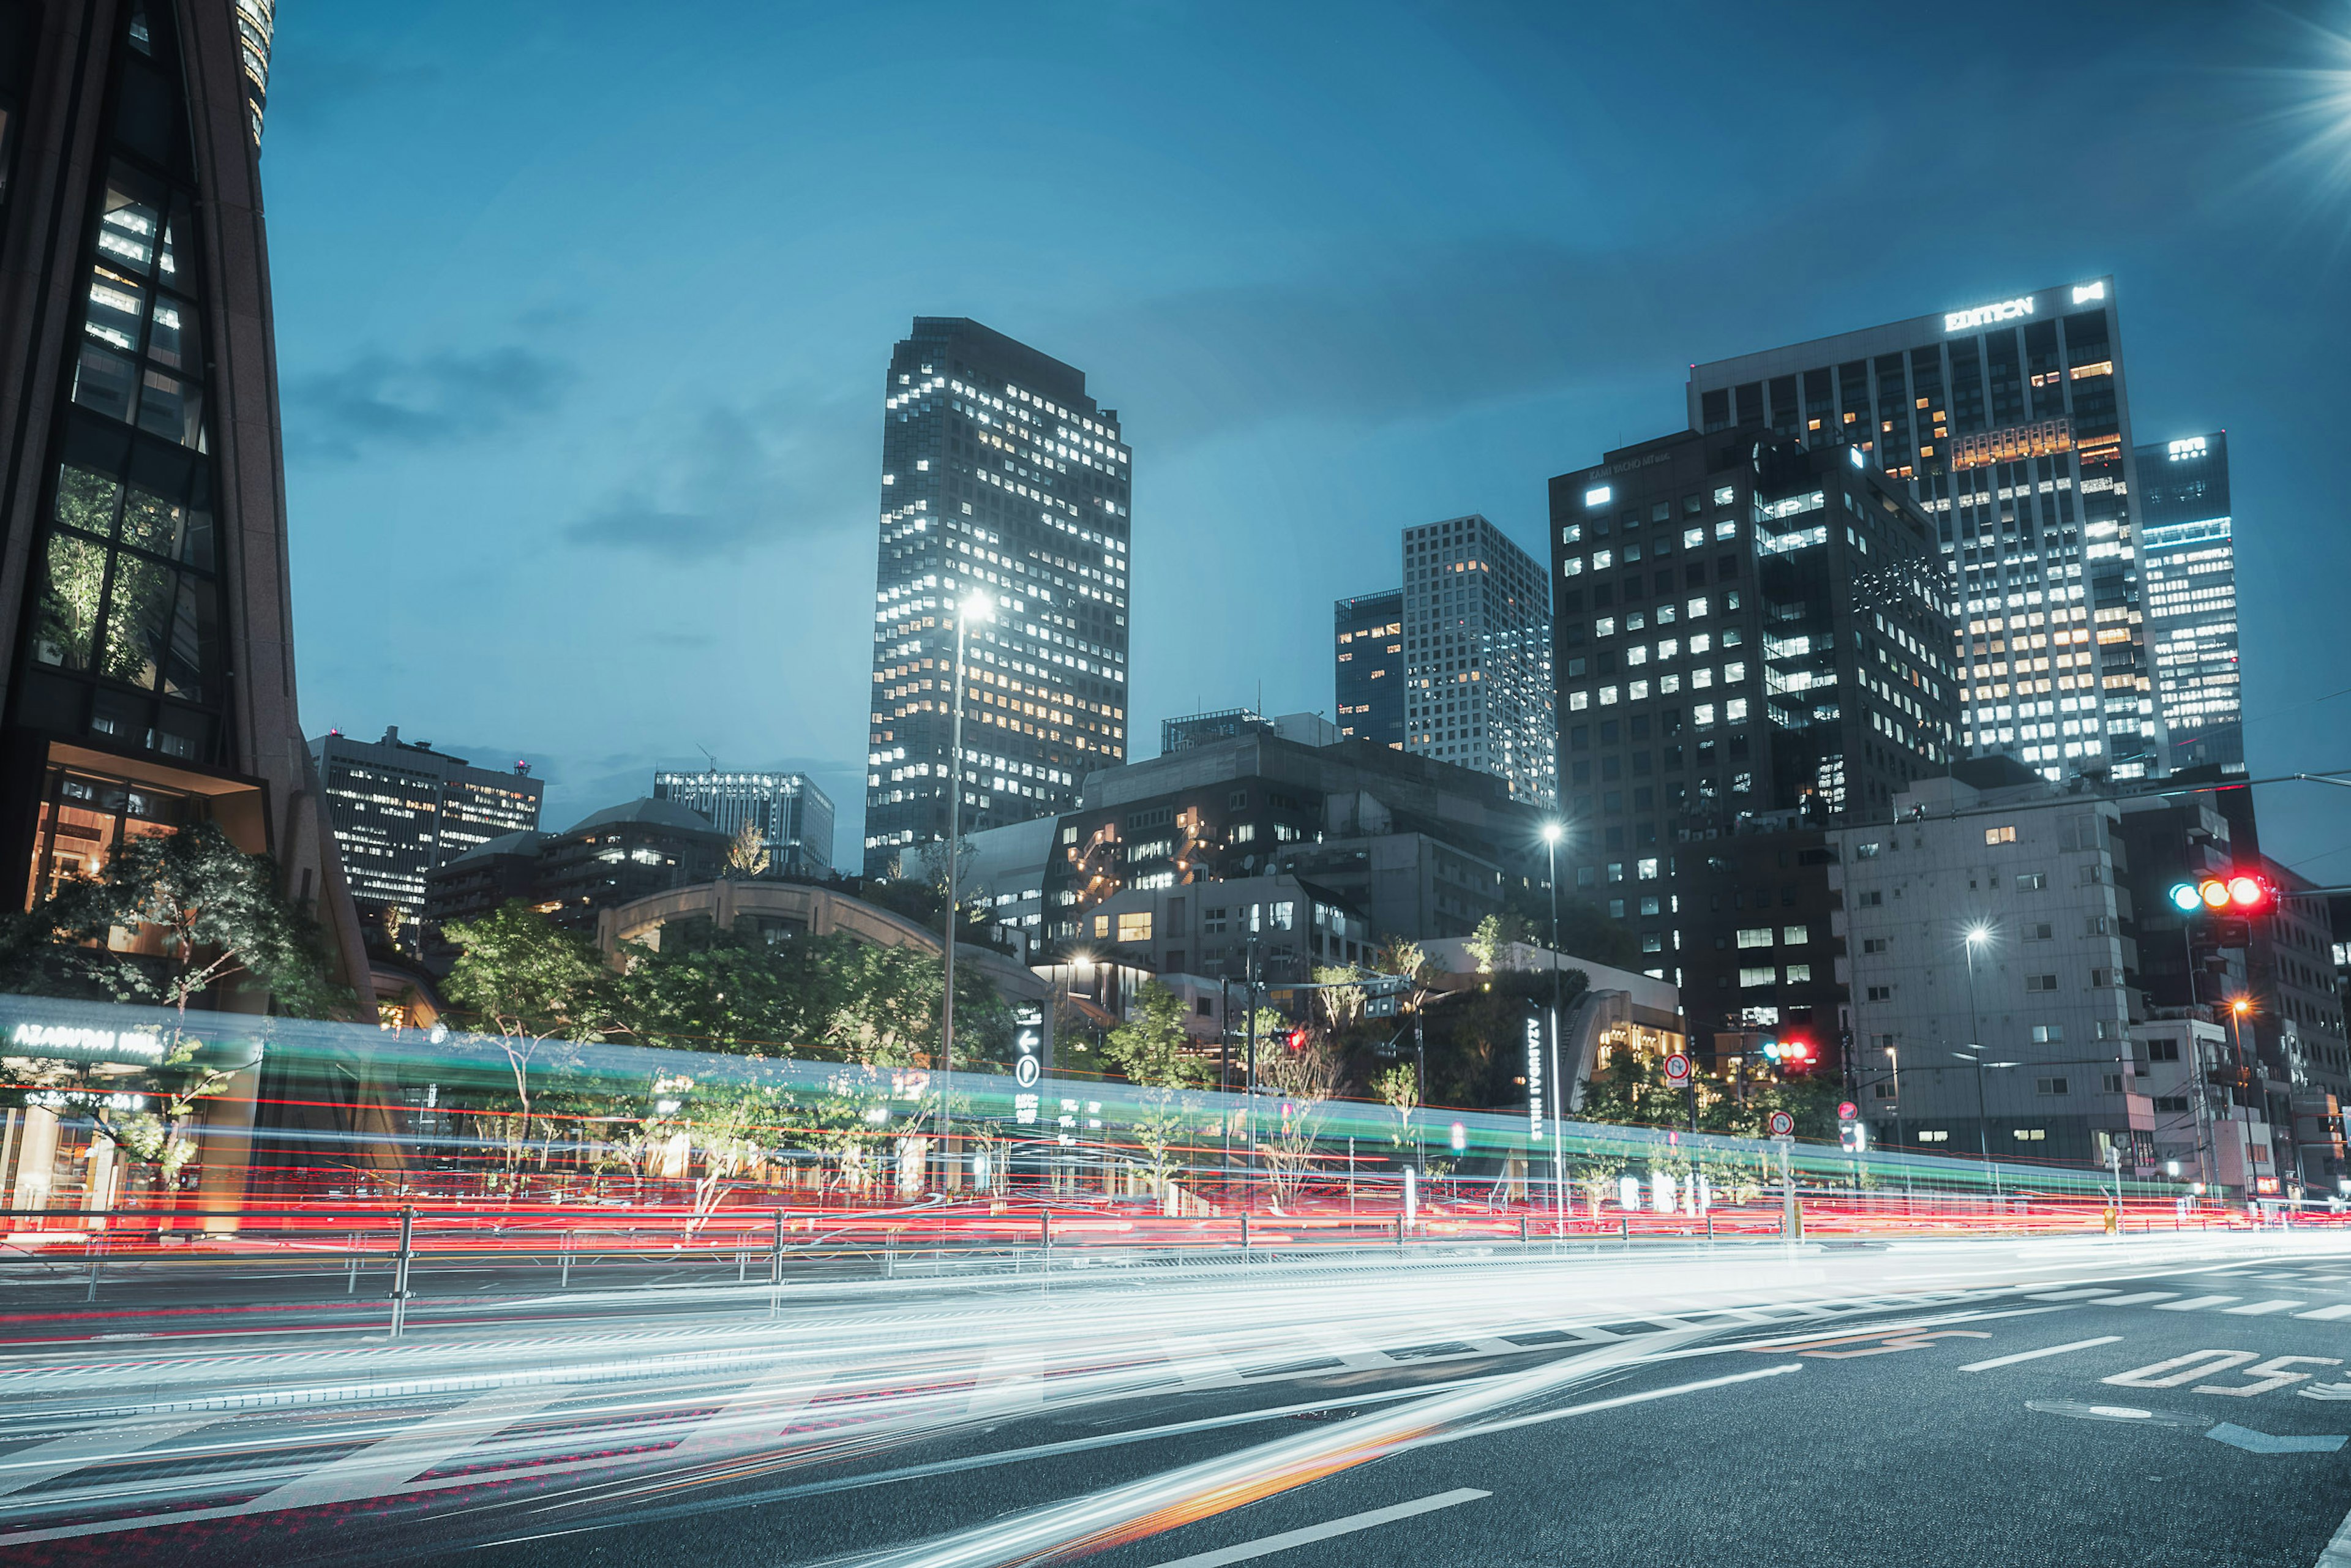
1995	1402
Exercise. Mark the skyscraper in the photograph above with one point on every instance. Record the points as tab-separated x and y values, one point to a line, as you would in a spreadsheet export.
999	476
2187	550
146	627
792	817
1478	655
2010	422
1369	665
401	809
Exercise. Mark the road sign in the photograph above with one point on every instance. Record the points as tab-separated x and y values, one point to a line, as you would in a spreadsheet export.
1783	1126
1848	1111
1024	1072
1678	1071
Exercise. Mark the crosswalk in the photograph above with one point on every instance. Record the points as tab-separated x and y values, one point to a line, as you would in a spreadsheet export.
2178	1301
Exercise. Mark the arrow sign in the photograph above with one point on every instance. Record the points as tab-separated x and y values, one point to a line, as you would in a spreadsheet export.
1678	1071
2254	1442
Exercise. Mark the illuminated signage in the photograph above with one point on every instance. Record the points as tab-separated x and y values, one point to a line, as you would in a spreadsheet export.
1534	1079
1985	315
1598	495
2191	447
70	1042
1855	453
2085	292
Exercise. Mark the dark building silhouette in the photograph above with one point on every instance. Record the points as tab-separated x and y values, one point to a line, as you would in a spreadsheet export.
1367	633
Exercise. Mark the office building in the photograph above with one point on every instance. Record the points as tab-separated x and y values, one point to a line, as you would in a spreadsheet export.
1205	728
1989	949
1415	847
1369	666
1212	928
607	858
2188	556
1752	642
401	809
1476	655
2009	423
1001	478
791	815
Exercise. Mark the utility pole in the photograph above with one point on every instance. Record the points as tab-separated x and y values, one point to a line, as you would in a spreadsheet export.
977	608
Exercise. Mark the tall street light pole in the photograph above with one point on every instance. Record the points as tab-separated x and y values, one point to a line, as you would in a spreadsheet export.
979	607
1552	832
1978	934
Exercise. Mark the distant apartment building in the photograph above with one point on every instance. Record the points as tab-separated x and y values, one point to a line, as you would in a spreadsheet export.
2188	556
1368	665
791	815
1989	951
1478	657
1000	479
2009	422
401	809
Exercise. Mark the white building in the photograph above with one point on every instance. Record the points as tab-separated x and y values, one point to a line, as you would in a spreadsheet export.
1477	655
1985	955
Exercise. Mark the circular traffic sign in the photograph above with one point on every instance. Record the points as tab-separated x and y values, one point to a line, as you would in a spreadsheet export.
1848	1111
1678	1066
1783	1125
1024	1072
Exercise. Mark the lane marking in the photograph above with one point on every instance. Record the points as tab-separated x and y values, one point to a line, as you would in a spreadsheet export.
381	1465
2076	1295
46	1461
1266	1546
2336	1552
2259	1309
2327	1314
2139	1300
2254	1442
2194	1303
1541	1416
2037	1354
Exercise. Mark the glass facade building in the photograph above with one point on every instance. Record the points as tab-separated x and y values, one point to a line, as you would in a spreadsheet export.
1368	631
2010	422
402	808
1478	655
792	817
999	476
2187	550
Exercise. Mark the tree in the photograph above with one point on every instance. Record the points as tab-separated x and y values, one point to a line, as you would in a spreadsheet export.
1398	1089
747	855
1304	1076
1493	939
525	984
1153	1050
1342	997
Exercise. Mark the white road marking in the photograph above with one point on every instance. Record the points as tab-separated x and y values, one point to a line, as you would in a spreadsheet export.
1266	1546
2194	1303
2076	1295
1011	1383
2139	1300
2327	1314
382	1466
1196	1359
45	1461
1515	1422
2037	1354
2259	1309
2337	1553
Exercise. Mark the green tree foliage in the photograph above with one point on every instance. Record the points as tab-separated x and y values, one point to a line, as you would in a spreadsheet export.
1398	1089
1152	1047
1584	929
1475	1039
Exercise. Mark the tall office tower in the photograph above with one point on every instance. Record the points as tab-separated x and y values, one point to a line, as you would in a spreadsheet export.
792	817
2010	424
1369	630
402	808
1753	638
146	627
2189	553
1478	655
998	476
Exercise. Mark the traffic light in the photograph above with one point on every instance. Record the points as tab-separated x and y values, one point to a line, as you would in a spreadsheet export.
2236	893
1297	1040
1793	1052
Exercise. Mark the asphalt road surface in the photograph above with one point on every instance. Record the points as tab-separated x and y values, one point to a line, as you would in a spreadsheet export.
2060	1402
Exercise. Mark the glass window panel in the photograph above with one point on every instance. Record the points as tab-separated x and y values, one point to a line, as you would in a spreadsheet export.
122	717
172	406
138	621
173	338
127	230
103	381
69	610
77	834
86	500
174	232
116	303
196	538
152	523
194	651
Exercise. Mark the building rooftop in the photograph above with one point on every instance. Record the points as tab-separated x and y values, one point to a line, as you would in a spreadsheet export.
650	811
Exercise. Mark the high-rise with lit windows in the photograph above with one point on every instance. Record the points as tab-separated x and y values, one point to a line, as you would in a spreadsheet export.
2187	550
1368	631
999	478
1476	655
402	808
2010	422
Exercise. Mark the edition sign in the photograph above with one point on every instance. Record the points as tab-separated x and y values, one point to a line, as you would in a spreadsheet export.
1985	315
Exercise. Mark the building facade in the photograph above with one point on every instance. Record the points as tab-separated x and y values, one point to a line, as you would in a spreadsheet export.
1476	655
1752	642
401	809
2188	551
607	858
1205	728
791	815
999	478
1990	953
1368	631
2009	423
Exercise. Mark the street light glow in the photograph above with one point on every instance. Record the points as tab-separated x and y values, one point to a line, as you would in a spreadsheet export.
1978	934
1552	832
979	607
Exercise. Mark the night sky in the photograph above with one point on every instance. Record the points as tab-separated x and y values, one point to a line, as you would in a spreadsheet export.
582	314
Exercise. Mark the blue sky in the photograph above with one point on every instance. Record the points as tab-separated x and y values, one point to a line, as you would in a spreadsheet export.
582	318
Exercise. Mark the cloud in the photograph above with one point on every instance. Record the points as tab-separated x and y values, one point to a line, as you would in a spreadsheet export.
739	478
435	400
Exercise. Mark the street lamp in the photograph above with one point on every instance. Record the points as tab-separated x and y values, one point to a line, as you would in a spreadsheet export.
1979	935
979	607
1552	833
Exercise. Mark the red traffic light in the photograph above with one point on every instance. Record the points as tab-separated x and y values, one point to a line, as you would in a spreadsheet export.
1297	1039
2238	893
1795	1050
